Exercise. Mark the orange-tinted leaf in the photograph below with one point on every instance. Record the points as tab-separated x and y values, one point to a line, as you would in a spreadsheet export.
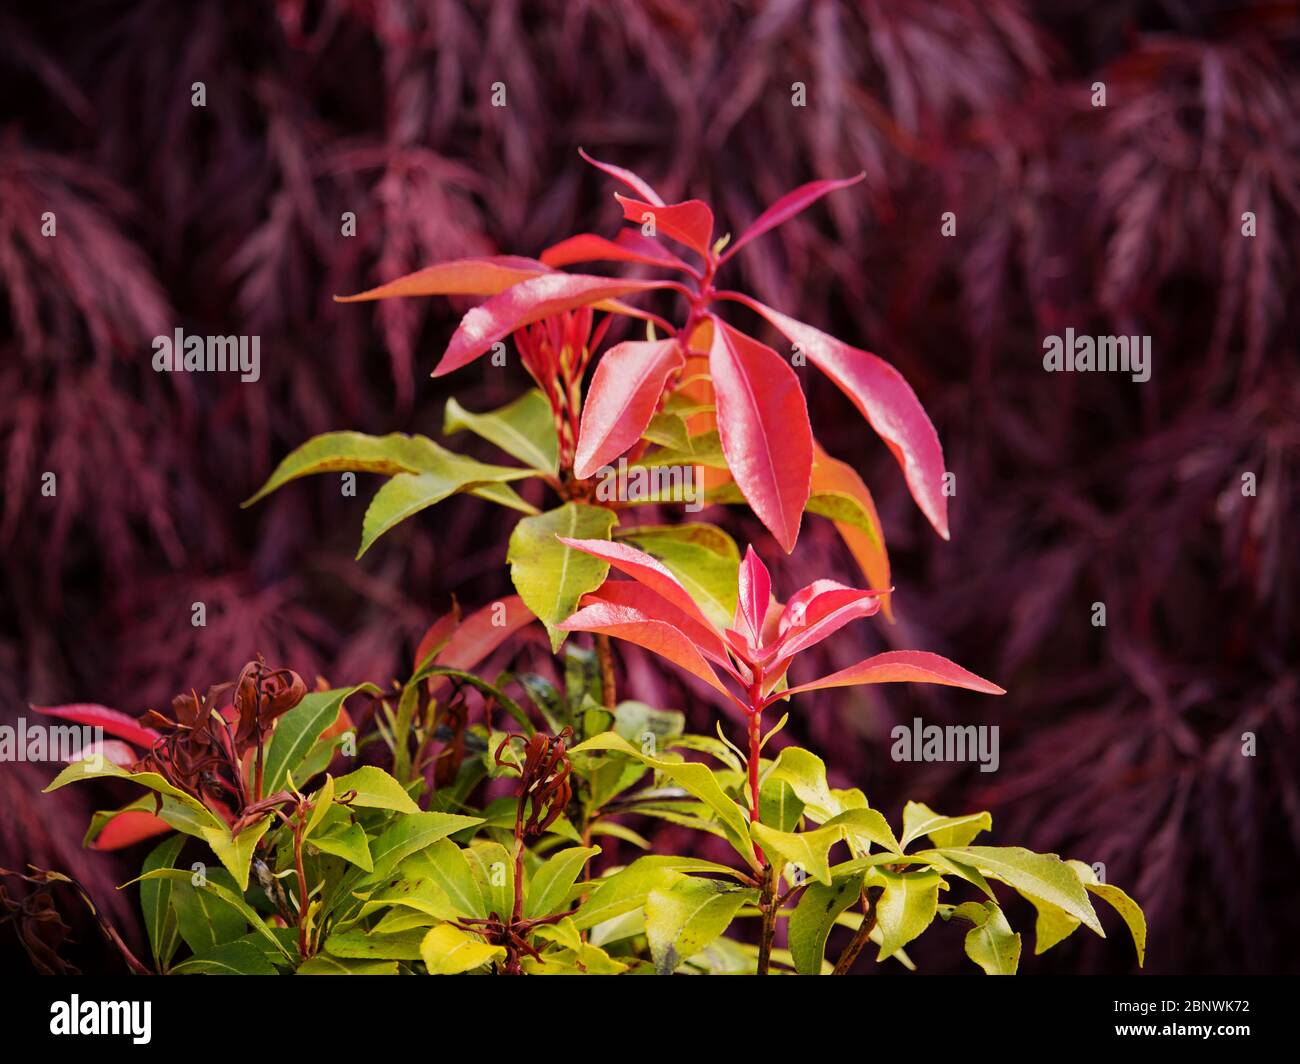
830	475
629	246
659	637
459	277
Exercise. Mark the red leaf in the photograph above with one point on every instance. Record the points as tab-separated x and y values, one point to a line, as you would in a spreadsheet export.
623	397
902	666
649	571
128	828
438	633
659	637
689	222
459	277
886	401
787	207
633	181
763	423
113	721
755	594
629	246
527	302
114	751
479	634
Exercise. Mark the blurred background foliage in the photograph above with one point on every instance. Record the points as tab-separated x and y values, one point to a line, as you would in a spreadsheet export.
1120	744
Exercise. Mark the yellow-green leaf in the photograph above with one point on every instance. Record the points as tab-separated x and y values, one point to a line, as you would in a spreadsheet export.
549	576
447	950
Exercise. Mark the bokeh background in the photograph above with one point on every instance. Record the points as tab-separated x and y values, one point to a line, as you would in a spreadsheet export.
1120	744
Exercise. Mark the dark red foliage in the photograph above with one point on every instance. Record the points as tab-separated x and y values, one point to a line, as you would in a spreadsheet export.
1120	744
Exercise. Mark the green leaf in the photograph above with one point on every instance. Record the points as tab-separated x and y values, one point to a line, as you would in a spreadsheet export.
236	852
98	768
376	789
322	802
447	950
841	507
324	964
810	924
693	777
806	773
352	451
297	731
905	908
204	917
1037	875
681	920
549	886
627	889
549	576
778	806
810	850
230	958
494	871
406	494
411	833
633	720
1128	909
668	430
990	943
361	945
444	864
348	841
156	902
235	901
524	429
703	557
919	819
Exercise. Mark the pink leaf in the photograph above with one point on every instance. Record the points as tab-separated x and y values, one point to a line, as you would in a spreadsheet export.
655	607
763	424
659	637
823	613
902	666
459	277
627	247
633	181
689	223
885	400
623	397
755	587
527	302
787	207
649	571
127	828
114	751
113	721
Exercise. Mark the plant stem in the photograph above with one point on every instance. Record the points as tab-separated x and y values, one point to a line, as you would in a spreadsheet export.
606	656
769	906
860	936
298	829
